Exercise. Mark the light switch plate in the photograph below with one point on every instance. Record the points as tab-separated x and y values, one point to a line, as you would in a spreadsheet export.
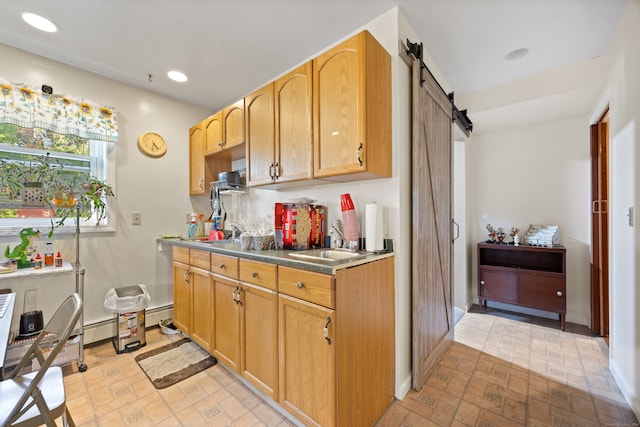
136	218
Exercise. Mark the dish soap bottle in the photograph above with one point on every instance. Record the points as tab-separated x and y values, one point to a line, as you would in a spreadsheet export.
193	226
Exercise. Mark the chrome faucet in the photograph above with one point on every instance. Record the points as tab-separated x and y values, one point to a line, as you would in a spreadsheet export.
235	231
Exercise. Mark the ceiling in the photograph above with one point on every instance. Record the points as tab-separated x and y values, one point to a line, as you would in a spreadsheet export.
231	47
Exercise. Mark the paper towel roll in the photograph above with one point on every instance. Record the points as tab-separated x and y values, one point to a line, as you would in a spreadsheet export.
373	227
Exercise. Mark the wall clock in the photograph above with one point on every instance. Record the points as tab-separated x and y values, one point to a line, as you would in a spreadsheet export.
152	144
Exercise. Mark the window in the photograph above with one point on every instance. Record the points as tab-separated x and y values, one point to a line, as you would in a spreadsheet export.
76	159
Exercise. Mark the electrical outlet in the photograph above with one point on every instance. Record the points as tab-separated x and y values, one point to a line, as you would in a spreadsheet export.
136	218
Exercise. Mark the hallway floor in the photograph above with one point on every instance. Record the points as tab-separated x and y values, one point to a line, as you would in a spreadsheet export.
509	370
499	372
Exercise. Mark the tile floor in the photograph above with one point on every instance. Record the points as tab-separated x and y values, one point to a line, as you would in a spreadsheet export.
499	372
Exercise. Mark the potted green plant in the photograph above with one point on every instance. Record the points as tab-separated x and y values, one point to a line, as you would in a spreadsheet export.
90	196
21	176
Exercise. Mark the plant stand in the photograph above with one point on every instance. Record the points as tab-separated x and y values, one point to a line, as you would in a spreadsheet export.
16	349
79	273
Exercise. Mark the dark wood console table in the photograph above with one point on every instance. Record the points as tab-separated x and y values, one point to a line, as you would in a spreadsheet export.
528	276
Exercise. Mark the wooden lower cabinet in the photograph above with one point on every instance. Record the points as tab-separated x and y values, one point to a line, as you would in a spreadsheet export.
307	361
192	295
181	297
322	346
245	319
226	313
259	338
337	353
202	308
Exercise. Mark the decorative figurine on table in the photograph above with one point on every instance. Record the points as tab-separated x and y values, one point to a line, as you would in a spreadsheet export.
515	237
22	252
492	234
501	235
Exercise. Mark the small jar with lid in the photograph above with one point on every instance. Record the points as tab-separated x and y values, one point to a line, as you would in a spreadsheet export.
48	255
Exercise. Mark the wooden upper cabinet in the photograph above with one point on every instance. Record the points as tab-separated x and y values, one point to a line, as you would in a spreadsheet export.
199	175
233	124
293	125
214	133
279	130
260	136
352	111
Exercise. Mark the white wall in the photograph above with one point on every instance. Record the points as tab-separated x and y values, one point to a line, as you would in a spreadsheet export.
624	101
536	174
463	294
158	188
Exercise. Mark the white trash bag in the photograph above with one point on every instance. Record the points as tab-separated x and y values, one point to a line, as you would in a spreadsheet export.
127	299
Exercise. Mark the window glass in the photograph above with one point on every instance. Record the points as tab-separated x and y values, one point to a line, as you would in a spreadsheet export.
74	160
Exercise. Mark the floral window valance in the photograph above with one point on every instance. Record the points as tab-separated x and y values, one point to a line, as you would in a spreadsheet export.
29	107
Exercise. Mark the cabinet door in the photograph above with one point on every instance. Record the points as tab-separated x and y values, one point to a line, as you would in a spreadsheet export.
214	133
339	111
202	308
197	165
226	323
307	361
233	124
352	110
498	285
260	338
181	297
542	290
293	125
260	136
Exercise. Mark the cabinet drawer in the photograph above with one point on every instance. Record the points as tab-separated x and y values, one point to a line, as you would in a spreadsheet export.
258	273
225	265
535	290
200	259
307	285
181	254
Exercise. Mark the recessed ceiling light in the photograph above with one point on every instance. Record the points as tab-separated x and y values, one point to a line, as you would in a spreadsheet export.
39	22
517	53
177	76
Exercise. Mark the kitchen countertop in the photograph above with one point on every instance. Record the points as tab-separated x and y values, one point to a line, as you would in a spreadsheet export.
279	257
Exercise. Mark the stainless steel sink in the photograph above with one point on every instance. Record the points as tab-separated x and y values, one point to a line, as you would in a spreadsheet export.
328	255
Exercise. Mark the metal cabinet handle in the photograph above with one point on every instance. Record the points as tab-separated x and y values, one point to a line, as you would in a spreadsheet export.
271	171
186	275
239	301
300	285
276	170
482	282
457	229
326	330
559	293
236	295
222	266
358	154
254	275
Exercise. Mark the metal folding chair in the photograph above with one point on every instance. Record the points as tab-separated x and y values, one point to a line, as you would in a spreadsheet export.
38	397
